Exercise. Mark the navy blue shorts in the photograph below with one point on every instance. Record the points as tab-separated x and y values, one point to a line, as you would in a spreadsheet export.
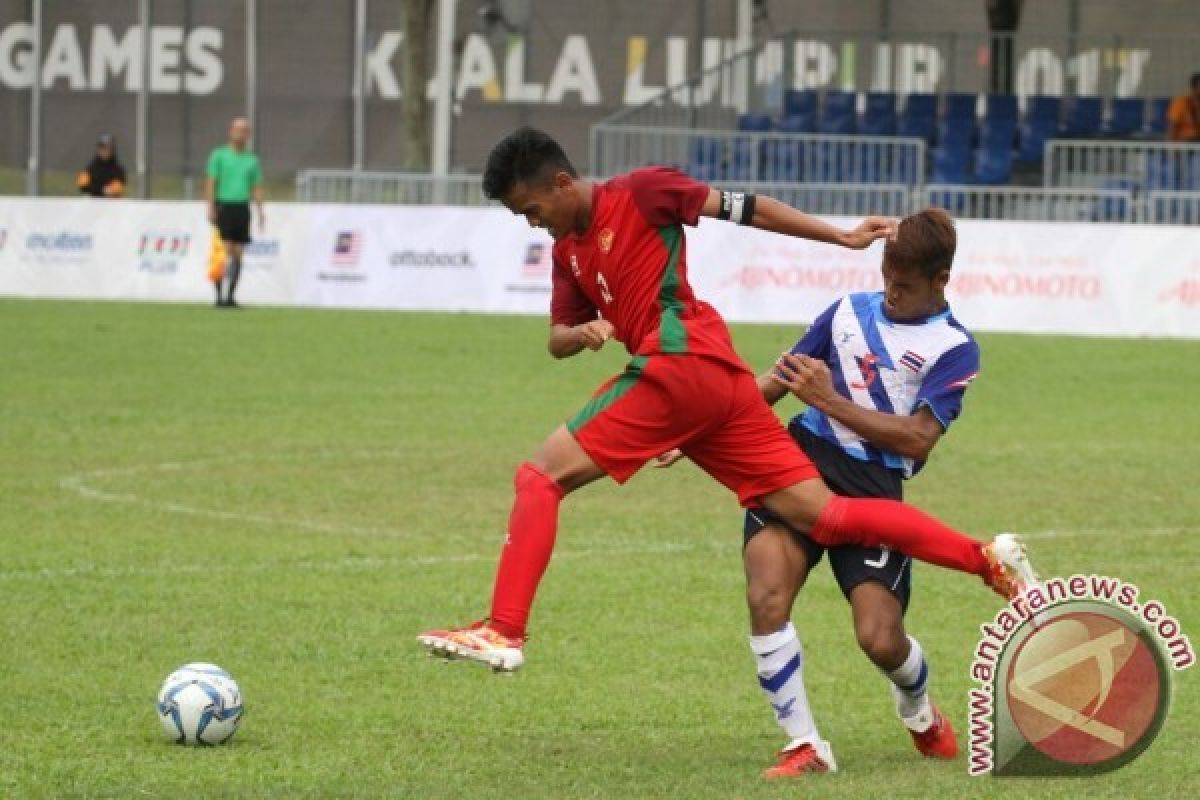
849	477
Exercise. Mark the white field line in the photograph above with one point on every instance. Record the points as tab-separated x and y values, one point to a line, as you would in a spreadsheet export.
1078	532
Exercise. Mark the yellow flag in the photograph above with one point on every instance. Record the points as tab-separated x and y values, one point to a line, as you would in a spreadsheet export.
216	258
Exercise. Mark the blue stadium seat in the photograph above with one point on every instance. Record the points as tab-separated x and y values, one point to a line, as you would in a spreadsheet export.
960	106
998	133
753	122
1035	132
1083	117
739	163
799	101
1001	107
919	117
950	164
704	158
880	116
1126	117
993	164
839	114
956	132
782	160
1043	107
799	123
1156	124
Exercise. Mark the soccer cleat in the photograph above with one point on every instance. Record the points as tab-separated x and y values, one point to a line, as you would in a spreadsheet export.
1009	572
806	758
932	733
476	642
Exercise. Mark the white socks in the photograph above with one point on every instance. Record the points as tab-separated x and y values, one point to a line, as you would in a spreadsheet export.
909	682
780	662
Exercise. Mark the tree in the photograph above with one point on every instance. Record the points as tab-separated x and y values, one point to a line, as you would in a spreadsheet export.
414	78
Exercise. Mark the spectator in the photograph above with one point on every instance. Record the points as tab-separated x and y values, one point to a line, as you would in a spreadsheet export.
1183	115
104	176
234	177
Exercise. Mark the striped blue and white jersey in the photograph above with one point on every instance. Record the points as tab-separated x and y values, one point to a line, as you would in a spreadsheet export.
888	366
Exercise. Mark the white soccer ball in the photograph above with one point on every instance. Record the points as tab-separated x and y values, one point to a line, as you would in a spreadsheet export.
199	704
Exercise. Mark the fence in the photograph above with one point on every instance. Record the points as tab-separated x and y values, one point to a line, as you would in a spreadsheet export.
1135	165
349	186
712	155
1173	208
1033	204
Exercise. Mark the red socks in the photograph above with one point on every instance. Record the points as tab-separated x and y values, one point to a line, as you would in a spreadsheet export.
900	527
532	527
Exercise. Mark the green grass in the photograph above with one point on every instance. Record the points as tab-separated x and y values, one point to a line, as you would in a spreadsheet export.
293	494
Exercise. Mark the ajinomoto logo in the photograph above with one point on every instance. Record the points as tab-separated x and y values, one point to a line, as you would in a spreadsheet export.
1076	679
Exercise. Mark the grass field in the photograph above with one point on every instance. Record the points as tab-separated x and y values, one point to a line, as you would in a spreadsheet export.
293	494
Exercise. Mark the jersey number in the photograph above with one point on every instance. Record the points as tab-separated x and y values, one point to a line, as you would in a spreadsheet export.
883	559
604	292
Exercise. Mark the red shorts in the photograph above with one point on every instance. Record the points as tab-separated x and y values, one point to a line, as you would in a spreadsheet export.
712	411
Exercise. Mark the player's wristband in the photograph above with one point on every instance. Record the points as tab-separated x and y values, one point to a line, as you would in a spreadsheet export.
737	207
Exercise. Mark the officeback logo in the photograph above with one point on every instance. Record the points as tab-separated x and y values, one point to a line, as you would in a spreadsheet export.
58	247
344	258
432	259
160	252
1075	679
534	274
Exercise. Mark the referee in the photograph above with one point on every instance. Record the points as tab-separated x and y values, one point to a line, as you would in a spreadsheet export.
233	176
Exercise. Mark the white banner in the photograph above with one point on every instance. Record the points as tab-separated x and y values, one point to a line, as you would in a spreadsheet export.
1120	280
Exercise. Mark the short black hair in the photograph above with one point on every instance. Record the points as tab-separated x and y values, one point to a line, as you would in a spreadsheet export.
524	156
1195	79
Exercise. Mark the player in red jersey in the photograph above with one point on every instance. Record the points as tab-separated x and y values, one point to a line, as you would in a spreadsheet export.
620	272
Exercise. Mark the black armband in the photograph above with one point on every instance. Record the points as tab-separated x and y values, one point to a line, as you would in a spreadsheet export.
737	207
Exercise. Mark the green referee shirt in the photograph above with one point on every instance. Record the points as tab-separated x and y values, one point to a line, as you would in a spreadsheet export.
236	173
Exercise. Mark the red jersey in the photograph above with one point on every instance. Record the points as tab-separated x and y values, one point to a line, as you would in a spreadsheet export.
630	267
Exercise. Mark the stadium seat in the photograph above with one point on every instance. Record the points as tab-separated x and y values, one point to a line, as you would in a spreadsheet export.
919	117
993	164
753	122
1083	117
1001	107
782	160
799	123
880	116
839	114
739	161
1034	135
956	132
950	164
1126	117
1043	107
799	101
704	158
1156	124
960	106
997	133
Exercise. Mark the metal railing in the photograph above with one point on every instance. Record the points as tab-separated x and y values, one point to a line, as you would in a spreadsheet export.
1124	164
712	155
1172	207
1033	204
402	188
839	199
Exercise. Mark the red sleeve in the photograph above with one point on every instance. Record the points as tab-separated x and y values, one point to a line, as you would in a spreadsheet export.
568	304
666	196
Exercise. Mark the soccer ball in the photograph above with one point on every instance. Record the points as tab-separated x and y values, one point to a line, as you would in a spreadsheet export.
199	704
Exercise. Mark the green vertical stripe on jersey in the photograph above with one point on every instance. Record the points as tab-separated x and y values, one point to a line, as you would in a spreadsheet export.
672	334
633	372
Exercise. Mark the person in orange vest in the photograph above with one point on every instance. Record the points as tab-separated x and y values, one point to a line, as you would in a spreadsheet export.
104	176
1183	115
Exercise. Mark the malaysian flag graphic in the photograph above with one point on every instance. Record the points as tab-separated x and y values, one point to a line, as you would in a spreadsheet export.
346	248
912	360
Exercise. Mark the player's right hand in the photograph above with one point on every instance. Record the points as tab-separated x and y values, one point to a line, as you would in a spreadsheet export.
594	334
668	458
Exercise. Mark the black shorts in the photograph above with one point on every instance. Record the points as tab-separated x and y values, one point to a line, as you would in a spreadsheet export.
233	221
849	477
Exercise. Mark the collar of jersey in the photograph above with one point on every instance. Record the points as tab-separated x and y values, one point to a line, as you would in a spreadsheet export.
877	305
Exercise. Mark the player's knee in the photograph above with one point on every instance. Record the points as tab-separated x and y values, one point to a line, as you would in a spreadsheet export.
882	640
769	603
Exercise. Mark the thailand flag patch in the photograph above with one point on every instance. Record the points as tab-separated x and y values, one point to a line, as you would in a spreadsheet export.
912	360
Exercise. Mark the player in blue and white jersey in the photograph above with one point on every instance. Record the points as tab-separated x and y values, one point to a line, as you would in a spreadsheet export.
883	375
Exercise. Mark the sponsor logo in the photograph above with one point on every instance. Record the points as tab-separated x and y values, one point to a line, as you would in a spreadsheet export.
536	266
575	264
606	240
866	366
261	254
160	252
1075	679
432	259
58	247
344	257
3	238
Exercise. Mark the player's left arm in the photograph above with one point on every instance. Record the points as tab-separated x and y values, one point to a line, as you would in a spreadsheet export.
913	436
773	215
